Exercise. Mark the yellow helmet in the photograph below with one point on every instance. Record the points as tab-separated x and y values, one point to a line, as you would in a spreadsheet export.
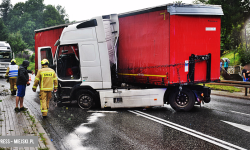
45	62
13	60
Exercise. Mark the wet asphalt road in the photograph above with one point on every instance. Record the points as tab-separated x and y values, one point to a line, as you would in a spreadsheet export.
223	123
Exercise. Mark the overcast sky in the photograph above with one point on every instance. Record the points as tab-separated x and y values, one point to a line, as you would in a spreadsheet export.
81	10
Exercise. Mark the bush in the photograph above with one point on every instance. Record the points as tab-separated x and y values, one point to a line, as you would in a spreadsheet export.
20	61
26	52
19	55
26	56
244	55
32	58
23	55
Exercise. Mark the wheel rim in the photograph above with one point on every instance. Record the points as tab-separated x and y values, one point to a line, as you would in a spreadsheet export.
182	99
85	101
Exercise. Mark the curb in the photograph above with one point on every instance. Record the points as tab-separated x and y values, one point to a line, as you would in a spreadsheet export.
240	97
40	129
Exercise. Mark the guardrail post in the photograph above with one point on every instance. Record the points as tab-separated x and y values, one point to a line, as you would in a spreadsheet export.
245	91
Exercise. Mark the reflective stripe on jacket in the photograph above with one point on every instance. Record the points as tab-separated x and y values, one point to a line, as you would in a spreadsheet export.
47	78
13	71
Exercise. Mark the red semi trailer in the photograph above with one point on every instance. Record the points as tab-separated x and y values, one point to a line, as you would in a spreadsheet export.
154	46
142	58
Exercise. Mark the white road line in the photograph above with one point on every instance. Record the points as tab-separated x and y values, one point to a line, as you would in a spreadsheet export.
92	111
240	113
240	126
186	130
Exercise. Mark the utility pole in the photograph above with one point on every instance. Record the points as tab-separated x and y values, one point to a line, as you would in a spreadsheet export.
246	36
246	29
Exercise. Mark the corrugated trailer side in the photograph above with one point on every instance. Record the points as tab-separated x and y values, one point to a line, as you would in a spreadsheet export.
143	42
170	44
197	35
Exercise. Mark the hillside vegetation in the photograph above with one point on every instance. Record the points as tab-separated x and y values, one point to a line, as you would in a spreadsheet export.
19	61
234	60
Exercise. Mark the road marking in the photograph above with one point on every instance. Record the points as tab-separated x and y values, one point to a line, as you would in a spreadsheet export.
189	131
92	111
240	126
240	113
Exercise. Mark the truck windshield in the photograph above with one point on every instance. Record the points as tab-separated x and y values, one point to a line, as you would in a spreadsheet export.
5	55
68	67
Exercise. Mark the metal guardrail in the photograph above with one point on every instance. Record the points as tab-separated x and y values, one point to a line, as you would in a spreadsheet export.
246	85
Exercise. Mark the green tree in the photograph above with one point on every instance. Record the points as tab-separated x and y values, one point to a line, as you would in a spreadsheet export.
35	8
31	15
236	13
52	16
3	31
16	42
28	33
62	13
5	8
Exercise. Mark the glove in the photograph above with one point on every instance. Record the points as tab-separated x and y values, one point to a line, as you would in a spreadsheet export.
34	90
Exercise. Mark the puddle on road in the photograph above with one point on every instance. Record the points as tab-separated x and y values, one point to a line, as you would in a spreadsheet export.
74	140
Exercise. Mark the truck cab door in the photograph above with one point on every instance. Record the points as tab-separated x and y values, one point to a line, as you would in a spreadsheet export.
45	53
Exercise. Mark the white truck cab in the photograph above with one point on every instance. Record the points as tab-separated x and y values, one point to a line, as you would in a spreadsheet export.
5	57
85	54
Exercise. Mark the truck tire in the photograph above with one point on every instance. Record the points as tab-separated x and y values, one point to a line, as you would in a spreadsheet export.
182	102
86	99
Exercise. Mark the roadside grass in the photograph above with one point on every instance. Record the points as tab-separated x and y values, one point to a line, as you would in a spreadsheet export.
19	61
230	56
230	89
42	138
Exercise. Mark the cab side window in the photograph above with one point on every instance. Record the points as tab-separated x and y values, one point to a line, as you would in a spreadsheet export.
68	65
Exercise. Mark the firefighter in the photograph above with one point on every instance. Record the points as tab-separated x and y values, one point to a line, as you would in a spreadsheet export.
47	78
11	75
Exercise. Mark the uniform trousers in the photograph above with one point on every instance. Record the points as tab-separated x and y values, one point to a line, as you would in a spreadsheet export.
45	97
12	84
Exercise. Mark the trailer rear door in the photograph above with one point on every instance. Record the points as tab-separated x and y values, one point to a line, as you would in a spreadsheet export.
44	53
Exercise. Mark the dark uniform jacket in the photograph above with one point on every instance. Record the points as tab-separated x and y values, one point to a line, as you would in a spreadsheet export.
23	76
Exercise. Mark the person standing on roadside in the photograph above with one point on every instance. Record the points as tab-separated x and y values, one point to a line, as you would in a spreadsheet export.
245	73
22	81
226	65
48	81
220	65
11	74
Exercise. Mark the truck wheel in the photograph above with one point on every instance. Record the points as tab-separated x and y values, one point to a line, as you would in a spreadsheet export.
183	101
86	99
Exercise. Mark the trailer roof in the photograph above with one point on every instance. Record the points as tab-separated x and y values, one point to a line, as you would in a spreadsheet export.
173	9
57	26
180	9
